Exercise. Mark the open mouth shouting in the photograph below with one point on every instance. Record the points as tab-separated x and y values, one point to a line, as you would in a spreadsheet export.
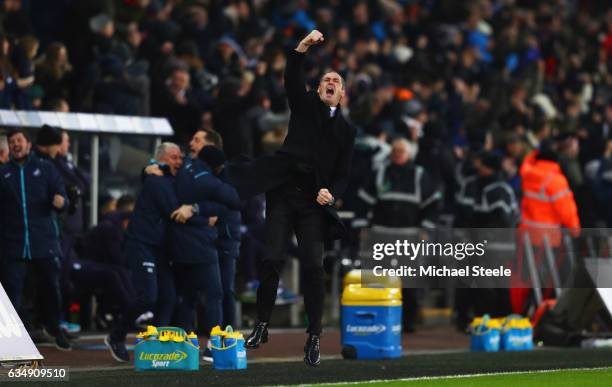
331	89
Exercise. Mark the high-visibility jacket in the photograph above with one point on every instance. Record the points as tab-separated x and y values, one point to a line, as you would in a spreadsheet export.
548	203
528	162
402	196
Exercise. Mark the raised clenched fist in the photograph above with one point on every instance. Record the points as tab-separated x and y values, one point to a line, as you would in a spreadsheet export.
314	37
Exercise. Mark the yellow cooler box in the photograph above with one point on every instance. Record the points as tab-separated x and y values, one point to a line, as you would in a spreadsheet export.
371	322
354	277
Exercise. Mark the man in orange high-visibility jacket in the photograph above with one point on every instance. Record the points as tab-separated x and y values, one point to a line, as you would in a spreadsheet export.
547	205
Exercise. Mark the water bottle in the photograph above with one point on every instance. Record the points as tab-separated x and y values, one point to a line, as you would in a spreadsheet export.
193	338
139	337
178	337
229	341
164	336
151	333
215	336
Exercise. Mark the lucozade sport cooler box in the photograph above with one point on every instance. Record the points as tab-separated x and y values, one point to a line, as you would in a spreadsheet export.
371	322
166	348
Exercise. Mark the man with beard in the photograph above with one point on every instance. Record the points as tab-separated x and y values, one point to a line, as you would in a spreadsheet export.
31	194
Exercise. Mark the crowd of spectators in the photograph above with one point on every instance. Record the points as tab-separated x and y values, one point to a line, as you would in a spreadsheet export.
451	77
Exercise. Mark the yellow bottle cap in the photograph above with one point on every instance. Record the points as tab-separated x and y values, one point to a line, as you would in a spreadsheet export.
234	335
217	331
476	321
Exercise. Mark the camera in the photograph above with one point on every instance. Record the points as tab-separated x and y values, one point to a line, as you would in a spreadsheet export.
74	194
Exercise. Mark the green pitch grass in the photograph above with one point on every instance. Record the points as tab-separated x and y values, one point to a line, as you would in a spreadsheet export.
360	371
566	378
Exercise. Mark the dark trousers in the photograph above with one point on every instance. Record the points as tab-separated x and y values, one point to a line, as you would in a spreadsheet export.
47	272
492	301
410	308
166	293
142	260
252	246
227	266
191	279
292	209
112	281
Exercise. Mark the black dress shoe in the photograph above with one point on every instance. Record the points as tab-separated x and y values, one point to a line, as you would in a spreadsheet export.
258	336
312	351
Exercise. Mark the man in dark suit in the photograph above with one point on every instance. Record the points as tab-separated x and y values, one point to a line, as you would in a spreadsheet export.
302	182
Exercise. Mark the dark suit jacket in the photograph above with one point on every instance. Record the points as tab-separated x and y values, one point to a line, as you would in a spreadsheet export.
313	139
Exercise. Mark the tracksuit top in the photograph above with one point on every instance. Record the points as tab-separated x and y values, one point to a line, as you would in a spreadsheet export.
194	242
28	220
152	210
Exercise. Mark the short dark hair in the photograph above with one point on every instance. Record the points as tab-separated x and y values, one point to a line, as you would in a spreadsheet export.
16	131
212	155
332	71
548	151
48	135
124	202
213	136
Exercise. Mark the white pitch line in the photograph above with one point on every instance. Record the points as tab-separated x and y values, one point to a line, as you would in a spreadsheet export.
463	376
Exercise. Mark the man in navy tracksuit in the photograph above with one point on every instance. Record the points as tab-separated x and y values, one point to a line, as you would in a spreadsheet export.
192	239
142	247
192	248
228	240
31	194
196	262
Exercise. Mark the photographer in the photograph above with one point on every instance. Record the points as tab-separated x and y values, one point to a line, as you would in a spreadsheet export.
72	221
53	144
76	182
